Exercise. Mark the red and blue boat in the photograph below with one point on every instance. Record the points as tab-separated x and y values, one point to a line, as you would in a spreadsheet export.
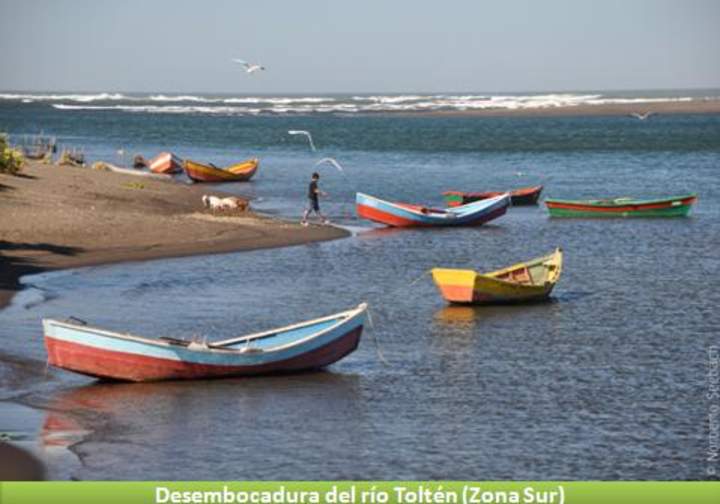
410	215
75	346
518	197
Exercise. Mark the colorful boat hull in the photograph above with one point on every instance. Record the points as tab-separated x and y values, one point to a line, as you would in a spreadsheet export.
675	206
520	283
108	355
518	197
240	172
165	162
408	215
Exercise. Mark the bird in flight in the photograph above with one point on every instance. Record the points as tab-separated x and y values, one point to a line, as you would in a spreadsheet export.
642	117
332	162
249	67
305	133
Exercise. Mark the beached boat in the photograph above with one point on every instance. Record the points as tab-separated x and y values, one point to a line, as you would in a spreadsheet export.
36	152
75	346
523	282
674	206
239	172
165	162
407	215
518	197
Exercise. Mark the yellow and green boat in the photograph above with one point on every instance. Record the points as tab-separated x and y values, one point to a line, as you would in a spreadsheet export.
523	282
673	206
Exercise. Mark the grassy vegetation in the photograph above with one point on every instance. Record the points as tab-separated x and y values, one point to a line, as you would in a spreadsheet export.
11	160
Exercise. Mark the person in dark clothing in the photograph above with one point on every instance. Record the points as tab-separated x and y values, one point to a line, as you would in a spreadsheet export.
314	194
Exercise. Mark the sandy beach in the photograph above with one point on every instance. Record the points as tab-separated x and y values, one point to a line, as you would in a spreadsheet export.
57	217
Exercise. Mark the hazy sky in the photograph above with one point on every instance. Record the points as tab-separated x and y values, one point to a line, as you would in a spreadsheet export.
359	46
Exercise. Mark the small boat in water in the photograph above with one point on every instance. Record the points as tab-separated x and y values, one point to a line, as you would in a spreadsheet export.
523	282
409	215
239	172
75	346
165	162
674	206
518	197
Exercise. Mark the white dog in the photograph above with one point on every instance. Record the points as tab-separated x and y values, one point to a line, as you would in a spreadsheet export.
229	203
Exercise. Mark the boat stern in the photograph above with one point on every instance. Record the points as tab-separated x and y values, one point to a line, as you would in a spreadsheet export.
455	286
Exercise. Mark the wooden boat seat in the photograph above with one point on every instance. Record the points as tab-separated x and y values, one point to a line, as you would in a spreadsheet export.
519	276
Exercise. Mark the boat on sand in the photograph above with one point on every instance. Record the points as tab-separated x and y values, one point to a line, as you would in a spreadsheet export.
239	172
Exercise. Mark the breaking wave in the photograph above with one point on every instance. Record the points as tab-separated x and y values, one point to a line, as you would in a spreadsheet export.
240	105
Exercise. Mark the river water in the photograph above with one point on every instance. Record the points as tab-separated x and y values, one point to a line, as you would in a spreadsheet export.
607	380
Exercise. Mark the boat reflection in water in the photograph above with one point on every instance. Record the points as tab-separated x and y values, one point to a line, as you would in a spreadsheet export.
238	418
458	316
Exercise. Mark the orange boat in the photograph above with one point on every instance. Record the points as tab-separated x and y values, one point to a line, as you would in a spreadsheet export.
165	162
240	172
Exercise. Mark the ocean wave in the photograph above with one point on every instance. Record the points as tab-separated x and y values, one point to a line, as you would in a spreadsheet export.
163	109
181	98
65	97
190	104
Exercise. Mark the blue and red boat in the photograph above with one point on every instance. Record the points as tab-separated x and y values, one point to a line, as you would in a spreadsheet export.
75	346
410	215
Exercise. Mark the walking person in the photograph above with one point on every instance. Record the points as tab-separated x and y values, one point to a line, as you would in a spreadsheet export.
314	194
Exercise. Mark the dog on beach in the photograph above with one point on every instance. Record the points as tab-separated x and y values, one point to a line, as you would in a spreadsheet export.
229	203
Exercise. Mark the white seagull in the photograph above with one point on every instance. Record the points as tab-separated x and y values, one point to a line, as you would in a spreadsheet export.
249	67
332	162
307	134
642	117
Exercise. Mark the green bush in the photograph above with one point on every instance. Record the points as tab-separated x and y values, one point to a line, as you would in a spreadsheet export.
11	160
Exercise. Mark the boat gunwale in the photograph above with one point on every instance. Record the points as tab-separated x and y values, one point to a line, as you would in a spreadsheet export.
523	191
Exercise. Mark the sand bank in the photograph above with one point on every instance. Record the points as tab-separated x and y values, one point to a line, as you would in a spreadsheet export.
54	217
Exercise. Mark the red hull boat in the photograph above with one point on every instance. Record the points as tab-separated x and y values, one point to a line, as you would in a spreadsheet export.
518	197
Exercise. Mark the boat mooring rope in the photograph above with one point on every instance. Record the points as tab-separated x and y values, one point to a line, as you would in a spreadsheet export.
371	323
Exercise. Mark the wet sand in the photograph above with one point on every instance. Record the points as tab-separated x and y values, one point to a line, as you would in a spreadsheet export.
56	217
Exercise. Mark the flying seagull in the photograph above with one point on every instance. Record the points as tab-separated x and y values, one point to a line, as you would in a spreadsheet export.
249	67
642	117
332	162
307	134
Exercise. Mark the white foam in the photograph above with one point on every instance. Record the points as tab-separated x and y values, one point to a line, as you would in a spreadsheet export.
65	97
183	98
179	104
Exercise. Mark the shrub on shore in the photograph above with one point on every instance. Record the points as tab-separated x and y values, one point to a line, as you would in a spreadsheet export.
11	160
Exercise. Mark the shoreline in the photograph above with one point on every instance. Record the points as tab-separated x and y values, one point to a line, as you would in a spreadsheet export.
59	217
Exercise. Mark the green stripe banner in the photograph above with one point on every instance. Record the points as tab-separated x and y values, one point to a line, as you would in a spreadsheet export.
362	492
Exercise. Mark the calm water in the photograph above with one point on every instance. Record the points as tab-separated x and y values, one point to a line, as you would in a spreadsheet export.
605	381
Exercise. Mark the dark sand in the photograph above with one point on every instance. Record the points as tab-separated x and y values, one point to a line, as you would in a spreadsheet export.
54	217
